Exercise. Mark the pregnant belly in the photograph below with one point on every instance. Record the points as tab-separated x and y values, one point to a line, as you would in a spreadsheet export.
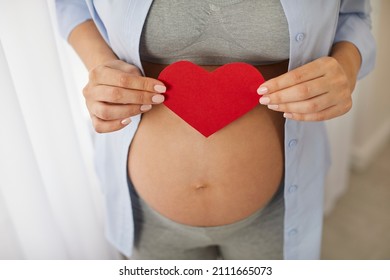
210	181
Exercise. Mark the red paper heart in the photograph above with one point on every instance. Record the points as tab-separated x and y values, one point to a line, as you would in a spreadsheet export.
208	101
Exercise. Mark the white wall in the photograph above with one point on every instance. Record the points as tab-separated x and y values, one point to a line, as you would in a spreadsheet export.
357	137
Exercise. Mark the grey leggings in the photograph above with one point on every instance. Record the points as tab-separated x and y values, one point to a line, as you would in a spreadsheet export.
259	236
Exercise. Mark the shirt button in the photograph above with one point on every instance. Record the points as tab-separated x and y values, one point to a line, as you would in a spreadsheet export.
292	143
292	188
292	232
300	37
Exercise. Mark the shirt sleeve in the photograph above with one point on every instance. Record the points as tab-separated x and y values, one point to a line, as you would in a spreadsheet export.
354	26
71	13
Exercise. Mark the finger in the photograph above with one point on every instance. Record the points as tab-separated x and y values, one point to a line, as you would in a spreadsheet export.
108	112
299	75
124	66
298	92
313	105
327	114
117	78
119	95
102	126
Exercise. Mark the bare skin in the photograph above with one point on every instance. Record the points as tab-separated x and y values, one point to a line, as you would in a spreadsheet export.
208	181
226	177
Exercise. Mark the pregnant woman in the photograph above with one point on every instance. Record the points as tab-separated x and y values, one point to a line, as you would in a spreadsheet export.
252	190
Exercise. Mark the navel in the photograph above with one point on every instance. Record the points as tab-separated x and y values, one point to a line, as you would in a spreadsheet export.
201	187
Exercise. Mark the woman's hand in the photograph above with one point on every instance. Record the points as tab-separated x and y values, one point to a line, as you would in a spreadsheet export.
117	91
320	90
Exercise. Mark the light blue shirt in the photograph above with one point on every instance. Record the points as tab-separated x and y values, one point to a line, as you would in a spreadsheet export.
314	26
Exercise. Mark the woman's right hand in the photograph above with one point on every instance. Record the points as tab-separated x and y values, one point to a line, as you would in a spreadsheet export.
117	91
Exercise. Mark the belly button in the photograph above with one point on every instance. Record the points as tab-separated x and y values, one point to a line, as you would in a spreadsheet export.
200	187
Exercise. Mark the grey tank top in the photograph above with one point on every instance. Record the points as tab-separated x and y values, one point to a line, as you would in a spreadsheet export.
215	32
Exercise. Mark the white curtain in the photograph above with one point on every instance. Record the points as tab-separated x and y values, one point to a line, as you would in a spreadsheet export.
50	203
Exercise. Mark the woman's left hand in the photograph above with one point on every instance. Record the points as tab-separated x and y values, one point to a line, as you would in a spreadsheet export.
320	90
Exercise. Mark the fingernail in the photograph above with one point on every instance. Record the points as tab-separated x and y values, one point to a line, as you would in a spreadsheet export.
160	88
126	121
273	107
265	100
145	108
262	90
158	98
287	115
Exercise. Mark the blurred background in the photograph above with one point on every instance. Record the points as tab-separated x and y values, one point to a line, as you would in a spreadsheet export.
357	204
50	202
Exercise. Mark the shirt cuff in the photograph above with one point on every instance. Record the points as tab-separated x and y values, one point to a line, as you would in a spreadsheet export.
354	29
70	14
